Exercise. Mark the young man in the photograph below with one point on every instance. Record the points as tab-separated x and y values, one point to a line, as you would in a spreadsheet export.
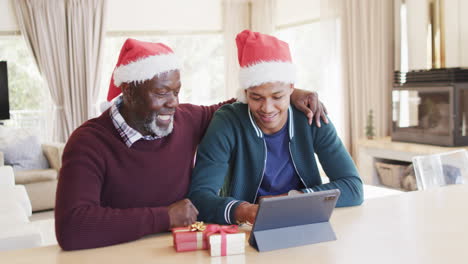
126	173
266	147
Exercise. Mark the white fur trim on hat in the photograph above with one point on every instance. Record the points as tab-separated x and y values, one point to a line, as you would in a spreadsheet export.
263	72
145	69
240	96
103	106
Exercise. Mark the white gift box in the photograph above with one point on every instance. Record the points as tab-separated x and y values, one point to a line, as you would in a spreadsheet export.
235	244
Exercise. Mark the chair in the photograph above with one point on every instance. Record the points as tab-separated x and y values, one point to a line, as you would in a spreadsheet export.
441	169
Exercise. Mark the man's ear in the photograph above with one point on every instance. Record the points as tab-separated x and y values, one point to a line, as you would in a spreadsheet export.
127	91
125	88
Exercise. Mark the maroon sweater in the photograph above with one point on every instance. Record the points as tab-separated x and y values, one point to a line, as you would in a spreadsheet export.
108	193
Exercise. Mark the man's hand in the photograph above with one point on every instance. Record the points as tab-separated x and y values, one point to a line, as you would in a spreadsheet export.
290	193
182	213
271	196
309	103
246	212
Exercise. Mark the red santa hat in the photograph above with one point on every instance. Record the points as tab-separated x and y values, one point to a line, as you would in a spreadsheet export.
262	59
140	61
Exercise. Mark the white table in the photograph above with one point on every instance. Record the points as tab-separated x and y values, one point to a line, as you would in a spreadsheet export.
415	227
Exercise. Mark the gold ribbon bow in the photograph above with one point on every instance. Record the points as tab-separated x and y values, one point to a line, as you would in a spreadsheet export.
198	226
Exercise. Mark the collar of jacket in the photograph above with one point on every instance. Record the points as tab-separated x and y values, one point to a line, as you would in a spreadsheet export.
259	132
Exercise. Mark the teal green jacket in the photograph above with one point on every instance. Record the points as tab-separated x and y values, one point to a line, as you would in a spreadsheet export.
231	161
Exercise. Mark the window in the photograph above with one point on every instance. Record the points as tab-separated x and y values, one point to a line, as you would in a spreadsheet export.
305	50
315	48
30	103
202	58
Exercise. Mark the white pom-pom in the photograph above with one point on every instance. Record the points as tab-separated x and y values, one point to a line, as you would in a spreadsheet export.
103	106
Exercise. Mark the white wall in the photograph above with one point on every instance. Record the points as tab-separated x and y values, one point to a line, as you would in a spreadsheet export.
452	38
296	11
7	16
456	33
164	15
194	15
463	48
418	19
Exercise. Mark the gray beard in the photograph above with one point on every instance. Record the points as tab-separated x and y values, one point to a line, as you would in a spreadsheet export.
153	128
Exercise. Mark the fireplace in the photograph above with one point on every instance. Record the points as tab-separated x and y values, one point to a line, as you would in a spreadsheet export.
431	107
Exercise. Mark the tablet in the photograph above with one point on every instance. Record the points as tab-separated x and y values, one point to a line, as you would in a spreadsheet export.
290	221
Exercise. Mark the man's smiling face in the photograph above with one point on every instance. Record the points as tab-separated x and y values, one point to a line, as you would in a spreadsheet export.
269	103
152	104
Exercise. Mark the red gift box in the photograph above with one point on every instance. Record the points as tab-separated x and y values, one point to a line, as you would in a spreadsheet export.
197	236
190	238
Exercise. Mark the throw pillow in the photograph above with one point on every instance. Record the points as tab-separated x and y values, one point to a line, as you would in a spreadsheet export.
25	154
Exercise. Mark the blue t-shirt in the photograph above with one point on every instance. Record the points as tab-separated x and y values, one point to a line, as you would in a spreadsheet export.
280	175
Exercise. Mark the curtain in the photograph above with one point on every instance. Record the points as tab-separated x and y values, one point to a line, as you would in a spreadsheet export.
368	63
66	37
86	38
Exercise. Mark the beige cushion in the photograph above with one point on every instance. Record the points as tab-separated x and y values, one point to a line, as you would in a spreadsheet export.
2	162
42	195
53	153
32	176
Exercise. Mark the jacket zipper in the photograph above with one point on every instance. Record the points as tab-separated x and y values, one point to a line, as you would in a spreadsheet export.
263	172
295	168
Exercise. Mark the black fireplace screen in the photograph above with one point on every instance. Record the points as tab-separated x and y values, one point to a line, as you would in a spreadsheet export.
431	106
423	111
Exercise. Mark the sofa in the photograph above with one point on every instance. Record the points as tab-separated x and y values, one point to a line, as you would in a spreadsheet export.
41	184
16	231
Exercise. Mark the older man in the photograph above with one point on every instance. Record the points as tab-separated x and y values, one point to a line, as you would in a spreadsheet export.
266	147
125	174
